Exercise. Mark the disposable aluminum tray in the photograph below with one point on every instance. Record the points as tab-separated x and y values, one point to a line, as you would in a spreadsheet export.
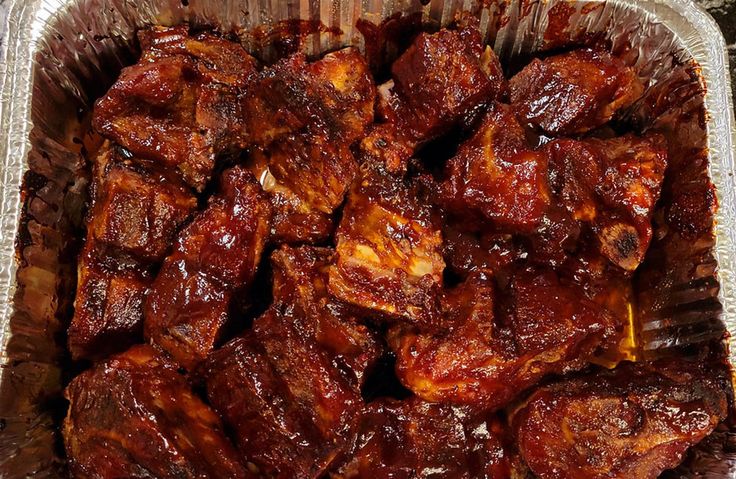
57	56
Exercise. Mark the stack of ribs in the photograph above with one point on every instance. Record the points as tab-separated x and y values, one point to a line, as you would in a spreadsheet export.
482	290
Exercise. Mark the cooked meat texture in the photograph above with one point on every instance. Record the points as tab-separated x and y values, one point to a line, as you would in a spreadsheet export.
135	416
303	118
179	105
137	211
573	92
468	251
441	81
634	421
495	175
612	185
300	277
108	308
389	250
290	388
273	426
485	358
215	256
416	439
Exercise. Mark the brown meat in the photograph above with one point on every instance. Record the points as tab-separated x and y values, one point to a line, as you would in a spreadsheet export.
135	214
411	439
612	185
214	257
442	80
272	426
303	118
179	105
485	357
108	308
137	210
290	388
300	280
389	250
495	175
573	92
135	416
634	421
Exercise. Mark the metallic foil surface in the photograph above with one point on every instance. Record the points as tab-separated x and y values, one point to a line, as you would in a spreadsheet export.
57	56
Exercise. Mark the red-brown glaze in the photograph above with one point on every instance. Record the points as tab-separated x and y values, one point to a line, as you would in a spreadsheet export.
613	185
303	117
413	438
134	218
214	257
573	92
108	308
290	388
635	421
389	250
497	176
422	101
135	416
485	357
137	211
178	106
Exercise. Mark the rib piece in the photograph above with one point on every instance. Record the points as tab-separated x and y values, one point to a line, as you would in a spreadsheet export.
179	105
408	439
137	210
300	280
272	433
290	387
484	359
468	251
573	92
389	250
303	118
495	175
214	257
272	425
108	308
634	421
135	416
613	185
442	80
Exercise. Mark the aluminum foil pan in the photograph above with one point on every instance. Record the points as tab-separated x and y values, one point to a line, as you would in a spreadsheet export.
57	56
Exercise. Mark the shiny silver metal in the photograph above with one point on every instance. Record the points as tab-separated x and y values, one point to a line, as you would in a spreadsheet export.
56	56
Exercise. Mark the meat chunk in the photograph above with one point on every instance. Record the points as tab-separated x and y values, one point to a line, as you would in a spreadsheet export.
468	251
135	215
389	250
573	92
108	308
137	210
272	427
135	416
495	175
423	101
487	356
612	185
300	280
303	118
214	257
407	439
290	388
635	421
179	105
